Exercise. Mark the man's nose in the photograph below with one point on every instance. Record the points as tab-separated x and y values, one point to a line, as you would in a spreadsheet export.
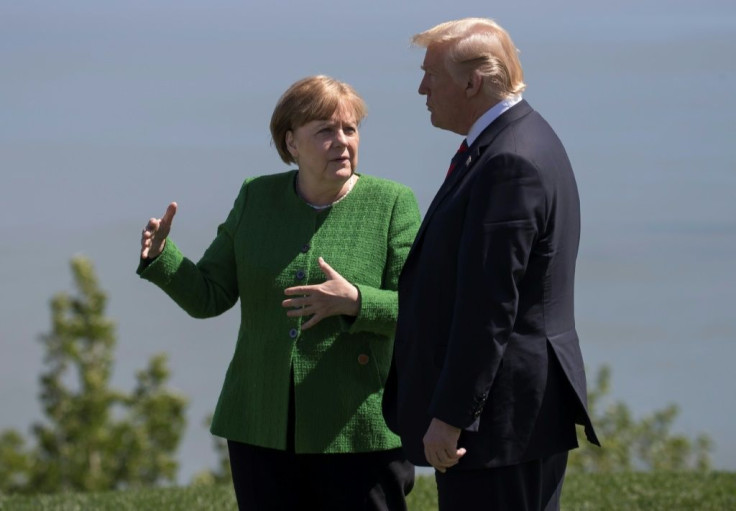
422	88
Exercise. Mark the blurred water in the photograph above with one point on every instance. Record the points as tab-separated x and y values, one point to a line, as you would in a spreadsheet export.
109	113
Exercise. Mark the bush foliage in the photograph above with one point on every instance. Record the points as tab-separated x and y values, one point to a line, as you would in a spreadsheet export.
94	437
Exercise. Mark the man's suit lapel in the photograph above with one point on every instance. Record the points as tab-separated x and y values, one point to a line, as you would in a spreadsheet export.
467	160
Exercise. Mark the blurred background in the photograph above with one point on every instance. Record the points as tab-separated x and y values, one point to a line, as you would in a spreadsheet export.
110	110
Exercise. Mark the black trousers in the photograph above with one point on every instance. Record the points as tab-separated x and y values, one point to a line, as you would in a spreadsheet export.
269	479
535	485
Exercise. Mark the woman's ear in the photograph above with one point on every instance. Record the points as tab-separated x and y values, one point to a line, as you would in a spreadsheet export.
290	145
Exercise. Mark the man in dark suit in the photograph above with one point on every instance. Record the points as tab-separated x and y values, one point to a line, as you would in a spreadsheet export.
487	381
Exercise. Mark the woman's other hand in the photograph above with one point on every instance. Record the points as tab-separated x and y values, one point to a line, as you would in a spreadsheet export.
153	238
333	297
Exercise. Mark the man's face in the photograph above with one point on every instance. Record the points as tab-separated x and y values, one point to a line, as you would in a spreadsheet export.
446	99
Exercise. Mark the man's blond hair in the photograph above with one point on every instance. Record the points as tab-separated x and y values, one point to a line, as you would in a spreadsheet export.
482	45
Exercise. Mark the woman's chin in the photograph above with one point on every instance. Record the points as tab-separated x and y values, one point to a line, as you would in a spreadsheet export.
344	172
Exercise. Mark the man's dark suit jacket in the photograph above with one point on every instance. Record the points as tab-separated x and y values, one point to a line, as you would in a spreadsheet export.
486	336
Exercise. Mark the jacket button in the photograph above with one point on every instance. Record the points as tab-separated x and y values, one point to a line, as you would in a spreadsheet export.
300	275
293	333
305	248
363	359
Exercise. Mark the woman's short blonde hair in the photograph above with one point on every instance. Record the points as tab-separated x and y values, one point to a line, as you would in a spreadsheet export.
478	44
314	98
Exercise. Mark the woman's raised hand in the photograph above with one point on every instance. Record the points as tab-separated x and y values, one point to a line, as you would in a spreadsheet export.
153	238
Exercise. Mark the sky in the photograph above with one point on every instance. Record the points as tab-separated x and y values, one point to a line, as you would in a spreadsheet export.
110	110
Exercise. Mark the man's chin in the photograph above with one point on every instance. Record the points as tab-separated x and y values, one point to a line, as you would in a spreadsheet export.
437	123
442	126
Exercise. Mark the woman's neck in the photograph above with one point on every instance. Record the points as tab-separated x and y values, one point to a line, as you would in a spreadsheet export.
320	197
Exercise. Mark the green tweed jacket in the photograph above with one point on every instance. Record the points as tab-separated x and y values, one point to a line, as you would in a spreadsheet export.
270	241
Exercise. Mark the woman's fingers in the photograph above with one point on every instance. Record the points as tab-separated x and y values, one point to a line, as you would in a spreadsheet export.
146	236
296	303
153	237
311	322
151	227
306	305
329	272
303	306
297	290
169	215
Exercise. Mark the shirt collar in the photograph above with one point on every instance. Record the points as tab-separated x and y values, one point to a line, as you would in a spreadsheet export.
491	115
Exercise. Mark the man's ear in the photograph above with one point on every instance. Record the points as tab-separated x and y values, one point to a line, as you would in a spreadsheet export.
474	84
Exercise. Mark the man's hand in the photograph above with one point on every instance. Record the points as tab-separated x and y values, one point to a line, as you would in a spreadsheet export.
440	445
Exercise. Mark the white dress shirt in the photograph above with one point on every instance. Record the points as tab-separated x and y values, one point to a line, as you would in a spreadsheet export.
491	115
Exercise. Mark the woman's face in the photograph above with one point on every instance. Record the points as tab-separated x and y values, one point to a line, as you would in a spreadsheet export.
326	149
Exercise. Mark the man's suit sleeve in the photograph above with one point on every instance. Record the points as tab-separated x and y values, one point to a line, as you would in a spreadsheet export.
504	217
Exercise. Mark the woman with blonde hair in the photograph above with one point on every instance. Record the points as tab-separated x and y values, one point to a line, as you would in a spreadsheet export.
314	255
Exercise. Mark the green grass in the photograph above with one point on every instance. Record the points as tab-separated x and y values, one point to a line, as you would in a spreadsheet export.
164	499
651	491
628	491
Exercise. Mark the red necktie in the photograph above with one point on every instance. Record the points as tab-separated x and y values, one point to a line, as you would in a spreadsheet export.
460	150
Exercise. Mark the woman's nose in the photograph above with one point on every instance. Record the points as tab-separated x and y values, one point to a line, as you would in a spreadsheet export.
341	138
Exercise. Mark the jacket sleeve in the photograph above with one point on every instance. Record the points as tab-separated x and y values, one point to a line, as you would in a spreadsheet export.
504	217
379	306
209	287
